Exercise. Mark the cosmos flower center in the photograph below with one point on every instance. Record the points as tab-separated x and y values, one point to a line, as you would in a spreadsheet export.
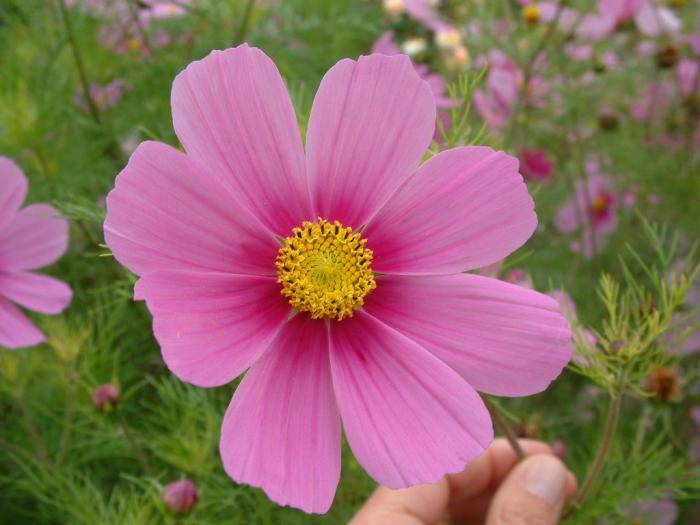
325	269
531	13
599	205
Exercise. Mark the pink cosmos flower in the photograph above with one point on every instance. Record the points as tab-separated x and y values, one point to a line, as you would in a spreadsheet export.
504	84
687	73
651	20
661	512
592	209
104	95
334	272
438	85
30	238
536	164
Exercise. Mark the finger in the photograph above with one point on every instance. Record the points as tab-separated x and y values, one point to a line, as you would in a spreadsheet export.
419	505
534	492
472	489
428	503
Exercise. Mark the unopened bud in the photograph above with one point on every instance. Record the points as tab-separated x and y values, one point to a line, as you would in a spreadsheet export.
180	496
105	397
559	449
667	56
448	38
394	7
531	14
664	383
608	120
414	46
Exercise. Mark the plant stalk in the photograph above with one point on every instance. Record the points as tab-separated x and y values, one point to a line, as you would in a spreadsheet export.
504	427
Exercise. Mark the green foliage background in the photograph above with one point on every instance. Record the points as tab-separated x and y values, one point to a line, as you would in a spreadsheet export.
61	462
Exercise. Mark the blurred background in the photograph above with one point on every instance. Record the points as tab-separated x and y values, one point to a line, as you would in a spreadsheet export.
599	101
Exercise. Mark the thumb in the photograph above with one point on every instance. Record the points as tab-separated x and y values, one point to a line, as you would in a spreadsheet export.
534	492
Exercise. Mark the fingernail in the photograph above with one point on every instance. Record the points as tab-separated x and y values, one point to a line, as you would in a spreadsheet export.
546	479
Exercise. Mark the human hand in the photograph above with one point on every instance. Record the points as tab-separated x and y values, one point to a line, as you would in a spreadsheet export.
494	489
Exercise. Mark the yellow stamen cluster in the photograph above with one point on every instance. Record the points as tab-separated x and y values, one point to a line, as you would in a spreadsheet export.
325	269
599	205
531	13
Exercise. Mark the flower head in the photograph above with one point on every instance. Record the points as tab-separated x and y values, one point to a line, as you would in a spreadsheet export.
593	209
536	164
105	397
180	496
335	273
30	238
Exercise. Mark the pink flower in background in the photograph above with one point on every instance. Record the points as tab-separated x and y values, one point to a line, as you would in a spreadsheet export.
651	20
504	84
536	164
180	496
378	327
687	73
30	238
661	512
438	85
656	102
104	95
592	209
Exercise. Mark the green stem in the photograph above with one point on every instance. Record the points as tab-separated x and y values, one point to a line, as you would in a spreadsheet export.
77	57
138	451
34	435
504	427
245	22
604	446
68	418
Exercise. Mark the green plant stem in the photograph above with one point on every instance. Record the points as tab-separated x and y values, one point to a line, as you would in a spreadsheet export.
138	451
604	446
504	427
77	57
68	418
34	435
245	22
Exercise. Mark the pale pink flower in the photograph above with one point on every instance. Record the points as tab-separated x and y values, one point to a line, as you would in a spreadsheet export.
438	85
687	73
661	512
592	209
395	341
106	95
30	238
504	85
657	99
535	164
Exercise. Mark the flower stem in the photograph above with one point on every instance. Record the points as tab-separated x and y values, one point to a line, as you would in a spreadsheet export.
77	57
245	21
504	427
68	418
604	446
32	430
138	451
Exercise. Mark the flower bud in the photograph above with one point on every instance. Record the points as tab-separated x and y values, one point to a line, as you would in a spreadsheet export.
414	46
394	7
180	496
667	56
608	120
664	384
448	38
531	14
559	449
105	397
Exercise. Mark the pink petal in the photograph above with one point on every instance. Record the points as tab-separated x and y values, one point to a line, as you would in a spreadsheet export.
212	326
168	212
13	189
370	125
281	431
16	331
465	208
40	293
36	236
232	112
503	339
408	417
